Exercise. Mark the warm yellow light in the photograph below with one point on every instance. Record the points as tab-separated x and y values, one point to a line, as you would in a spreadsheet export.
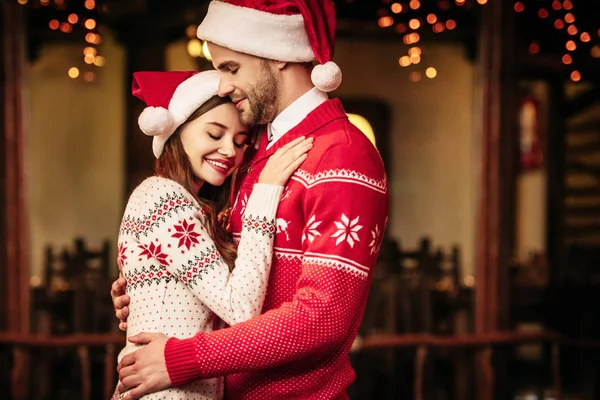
90	51
571	46
431	72
396	8
99	61
414	23
404	61
89	59
73	72
469	281
194	48
364	126
415	59
414	51
90	37
414	37
22	2
414	4
90	4
386	22
205	51
73	18
482	2
90	23
575	76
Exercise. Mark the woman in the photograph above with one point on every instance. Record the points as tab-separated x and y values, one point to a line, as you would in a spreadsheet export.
182	269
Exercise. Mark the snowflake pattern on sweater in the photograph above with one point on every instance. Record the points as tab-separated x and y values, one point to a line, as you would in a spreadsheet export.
178	283
329	229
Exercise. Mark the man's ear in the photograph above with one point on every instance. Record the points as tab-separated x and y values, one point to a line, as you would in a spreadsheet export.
280	64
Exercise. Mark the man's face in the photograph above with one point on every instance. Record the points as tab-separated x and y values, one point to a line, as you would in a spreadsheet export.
251	83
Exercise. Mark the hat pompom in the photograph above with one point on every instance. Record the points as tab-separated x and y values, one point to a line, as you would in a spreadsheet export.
155	121
326	77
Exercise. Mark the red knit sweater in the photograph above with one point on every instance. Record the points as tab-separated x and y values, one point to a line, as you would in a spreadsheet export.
330	222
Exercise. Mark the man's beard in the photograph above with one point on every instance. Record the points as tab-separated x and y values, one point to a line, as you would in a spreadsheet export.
262	98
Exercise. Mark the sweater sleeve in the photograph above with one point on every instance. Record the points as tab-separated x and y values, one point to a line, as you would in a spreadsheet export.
179	241
345	215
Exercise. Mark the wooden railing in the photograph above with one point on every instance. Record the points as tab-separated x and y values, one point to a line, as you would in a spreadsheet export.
21	346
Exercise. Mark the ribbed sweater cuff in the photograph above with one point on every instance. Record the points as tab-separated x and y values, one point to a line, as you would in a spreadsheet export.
264	200
181	359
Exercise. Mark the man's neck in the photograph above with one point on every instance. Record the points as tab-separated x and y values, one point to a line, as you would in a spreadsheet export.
295	85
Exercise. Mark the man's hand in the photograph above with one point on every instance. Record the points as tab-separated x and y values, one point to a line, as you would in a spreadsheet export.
145	370
120	301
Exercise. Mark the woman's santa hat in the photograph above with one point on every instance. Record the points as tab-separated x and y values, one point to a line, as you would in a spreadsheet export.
282	30
171	97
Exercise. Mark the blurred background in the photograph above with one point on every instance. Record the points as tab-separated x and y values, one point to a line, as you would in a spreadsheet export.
487	116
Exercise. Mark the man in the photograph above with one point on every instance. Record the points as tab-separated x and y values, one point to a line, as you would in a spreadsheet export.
330	221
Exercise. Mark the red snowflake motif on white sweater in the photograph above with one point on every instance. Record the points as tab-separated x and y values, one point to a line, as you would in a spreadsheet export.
121	257
153	251
186	234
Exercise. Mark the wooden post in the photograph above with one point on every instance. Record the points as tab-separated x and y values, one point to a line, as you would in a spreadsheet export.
14	272
497	161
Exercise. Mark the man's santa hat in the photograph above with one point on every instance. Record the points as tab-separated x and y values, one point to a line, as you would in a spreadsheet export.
282	30
171	97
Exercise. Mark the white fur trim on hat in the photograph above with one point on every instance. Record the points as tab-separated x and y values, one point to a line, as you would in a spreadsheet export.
155	121
326	77
189	95
258	33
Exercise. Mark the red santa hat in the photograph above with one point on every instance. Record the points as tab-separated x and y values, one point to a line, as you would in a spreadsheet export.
282	30
170	97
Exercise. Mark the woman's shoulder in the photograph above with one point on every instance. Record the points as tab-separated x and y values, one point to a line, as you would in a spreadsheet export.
156	189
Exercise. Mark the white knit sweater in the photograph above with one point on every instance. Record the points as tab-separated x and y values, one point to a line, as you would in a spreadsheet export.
178	283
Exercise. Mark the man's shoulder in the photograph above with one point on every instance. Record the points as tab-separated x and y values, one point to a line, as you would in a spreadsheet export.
342	143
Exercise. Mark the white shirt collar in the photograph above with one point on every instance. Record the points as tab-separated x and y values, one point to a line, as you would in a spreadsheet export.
294	114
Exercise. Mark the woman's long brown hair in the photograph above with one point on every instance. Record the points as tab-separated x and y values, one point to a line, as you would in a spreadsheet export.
174	164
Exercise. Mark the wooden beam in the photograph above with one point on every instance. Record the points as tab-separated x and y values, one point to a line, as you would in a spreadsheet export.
14	285
555	171
14	271
496	189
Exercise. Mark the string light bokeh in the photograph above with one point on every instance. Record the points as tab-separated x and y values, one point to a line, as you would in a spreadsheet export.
408	19
80	18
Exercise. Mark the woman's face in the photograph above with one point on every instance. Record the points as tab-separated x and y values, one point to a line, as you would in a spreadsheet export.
214	143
